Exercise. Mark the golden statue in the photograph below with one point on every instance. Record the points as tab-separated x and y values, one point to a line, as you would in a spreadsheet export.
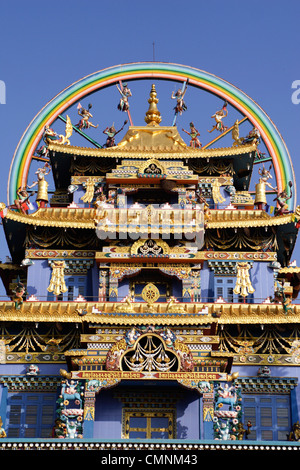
126	306
173	308
236	134
50	136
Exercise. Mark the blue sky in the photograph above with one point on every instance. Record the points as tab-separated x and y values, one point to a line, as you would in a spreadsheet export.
46	46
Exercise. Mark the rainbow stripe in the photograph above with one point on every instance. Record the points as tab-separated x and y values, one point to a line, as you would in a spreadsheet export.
152	70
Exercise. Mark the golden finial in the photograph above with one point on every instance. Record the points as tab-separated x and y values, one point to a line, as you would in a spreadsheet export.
153	116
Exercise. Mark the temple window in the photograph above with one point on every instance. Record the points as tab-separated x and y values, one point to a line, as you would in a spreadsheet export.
146	424
269	416
76	286
30	414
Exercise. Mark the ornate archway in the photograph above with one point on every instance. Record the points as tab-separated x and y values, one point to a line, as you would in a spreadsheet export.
161	71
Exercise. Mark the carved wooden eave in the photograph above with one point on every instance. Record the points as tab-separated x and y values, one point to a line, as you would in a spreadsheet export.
171	146
84	218
116	313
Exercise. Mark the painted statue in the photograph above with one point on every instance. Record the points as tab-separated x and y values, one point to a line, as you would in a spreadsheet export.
193	133
85	114
253	137
19	293
32	370
22	201
69	391
125	94
223	430
218	117
282	198
42	193
260	187
178	96
50	136
111	134
226	395
59	431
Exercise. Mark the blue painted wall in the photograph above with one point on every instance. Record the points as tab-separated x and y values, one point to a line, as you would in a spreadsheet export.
262	279
39	275
207	283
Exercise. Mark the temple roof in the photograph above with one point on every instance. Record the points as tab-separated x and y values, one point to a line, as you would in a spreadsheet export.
141	142
85	218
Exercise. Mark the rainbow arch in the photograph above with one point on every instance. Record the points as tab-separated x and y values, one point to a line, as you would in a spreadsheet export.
157	70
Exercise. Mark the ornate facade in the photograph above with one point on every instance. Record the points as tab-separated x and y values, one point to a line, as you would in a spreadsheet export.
151	294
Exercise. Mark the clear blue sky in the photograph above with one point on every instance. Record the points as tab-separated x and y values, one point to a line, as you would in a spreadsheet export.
46	46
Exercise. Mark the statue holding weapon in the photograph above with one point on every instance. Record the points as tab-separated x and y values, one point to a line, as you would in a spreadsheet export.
218	116
125	93
111	133
85	114
180	105
194	133
282	199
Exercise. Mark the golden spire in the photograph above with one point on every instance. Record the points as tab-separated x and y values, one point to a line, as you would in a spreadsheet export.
153	116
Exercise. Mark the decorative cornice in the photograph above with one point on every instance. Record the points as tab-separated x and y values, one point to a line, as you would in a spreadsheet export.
25	383
71	254
270	385
105	313
84	218
146	153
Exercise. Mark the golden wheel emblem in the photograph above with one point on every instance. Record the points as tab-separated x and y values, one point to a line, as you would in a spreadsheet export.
150	293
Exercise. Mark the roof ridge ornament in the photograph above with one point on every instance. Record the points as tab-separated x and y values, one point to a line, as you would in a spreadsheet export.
153	117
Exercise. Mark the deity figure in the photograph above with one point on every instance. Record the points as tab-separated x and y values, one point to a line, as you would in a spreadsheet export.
111	133
32	370
22	200
19	292
260	187
85	114
295	433
252	137
42	193
125	94
59	431
194	133
223	430
241	430
50	136
218	116
131	336
179	95
282	199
